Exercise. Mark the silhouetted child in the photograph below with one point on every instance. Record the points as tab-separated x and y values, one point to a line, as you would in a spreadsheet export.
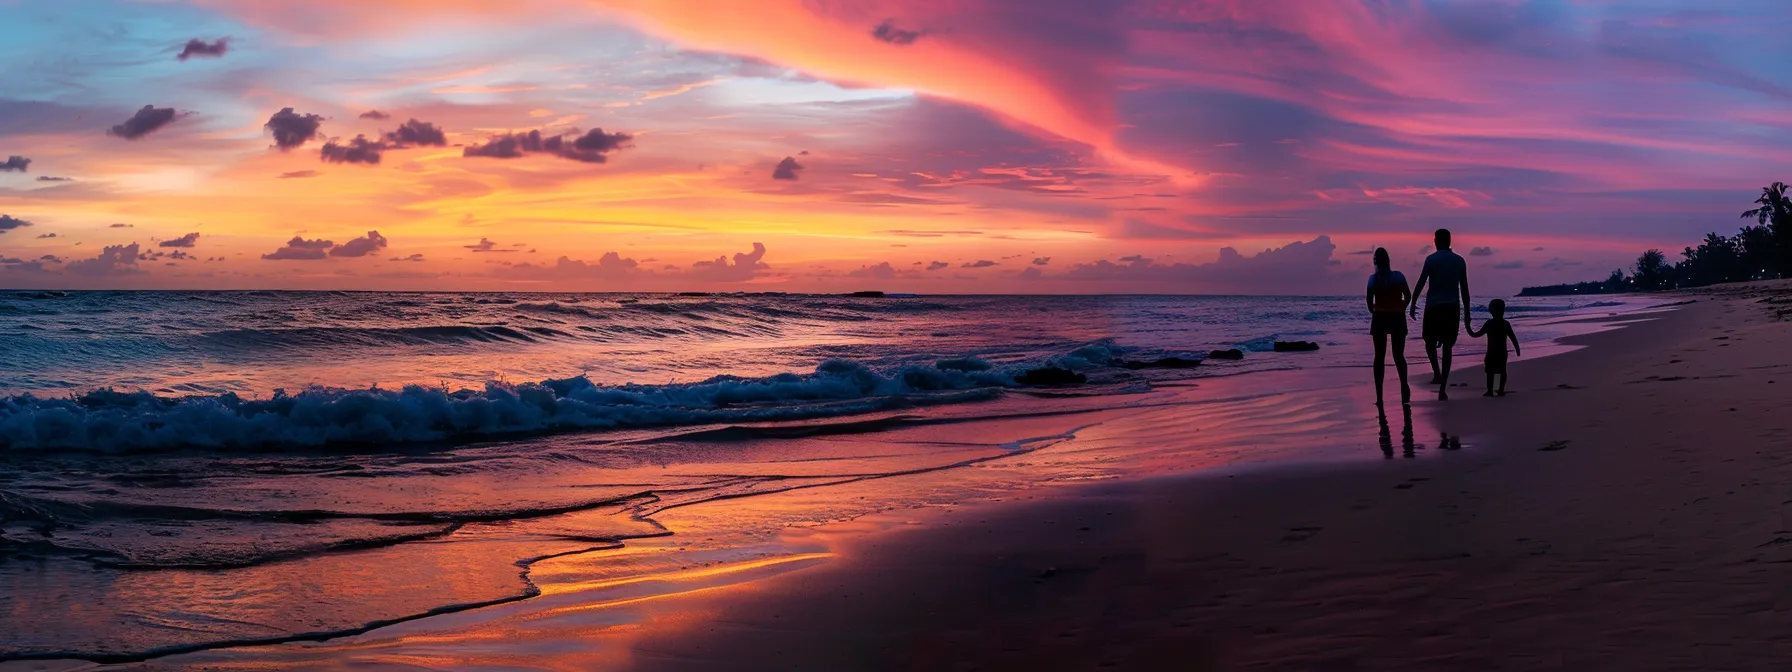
1498	332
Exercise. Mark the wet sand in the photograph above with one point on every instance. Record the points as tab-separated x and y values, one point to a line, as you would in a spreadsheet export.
1613	513
1626	509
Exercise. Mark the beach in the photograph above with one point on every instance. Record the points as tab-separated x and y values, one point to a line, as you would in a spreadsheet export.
1614	512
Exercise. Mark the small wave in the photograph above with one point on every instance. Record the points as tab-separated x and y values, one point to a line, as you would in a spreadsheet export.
111	421
338	336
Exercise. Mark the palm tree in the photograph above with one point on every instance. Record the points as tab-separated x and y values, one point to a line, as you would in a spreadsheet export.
1652	270
1776	208
1775	213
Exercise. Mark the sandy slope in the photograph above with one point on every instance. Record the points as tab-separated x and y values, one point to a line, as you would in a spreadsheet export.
1657	538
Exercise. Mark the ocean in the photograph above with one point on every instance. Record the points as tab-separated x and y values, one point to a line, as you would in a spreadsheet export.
188	470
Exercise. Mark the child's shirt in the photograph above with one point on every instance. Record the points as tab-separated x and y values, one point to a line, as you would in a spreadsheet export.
1498	332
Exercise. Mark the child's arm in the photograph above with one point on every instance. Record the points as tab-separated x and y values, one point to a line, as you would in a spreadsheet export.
1514	336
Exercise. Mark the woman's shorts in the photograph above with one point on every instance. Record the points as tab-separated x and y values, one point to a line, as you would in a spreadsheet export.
1387	323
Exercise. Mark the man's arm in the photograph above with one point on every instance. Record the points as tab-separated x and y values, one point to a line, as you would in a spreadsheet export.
1412	311
1467	306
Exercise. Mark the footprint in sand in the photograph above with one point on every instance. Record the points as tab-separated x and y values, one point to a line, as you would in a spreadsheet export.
1301	533
1553	446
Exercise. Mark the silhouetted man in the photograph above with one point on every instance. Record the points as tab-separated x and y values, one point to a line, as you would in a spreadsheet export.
1446	305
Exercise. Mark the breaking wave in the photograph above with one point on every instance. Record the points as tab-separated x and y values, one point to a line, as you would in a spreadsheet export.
112	421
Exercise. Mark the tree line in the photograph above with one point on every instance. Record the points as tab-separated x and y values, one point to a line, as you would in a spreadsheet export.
1759	251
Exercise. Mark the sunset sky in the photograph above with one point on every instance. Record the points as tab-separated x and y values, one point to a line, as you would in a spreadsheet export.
1064	146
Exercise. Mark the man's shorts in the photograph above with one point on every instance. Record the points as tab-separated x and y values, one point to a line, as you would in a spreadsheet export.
1442	324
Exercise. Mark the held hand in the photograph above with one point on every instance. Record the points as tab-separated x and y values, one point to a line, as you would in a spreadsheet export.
1413	313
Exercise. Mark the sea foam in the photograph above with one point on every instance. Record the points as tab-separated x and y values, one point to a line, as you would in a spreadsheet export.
111	421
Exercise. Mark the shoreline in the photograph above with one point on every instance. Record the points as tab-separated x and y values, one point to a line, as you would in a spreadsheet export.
843	551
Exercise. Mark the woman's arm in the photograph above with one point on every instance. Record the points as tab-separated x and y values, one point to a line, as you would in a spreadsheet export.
1413	300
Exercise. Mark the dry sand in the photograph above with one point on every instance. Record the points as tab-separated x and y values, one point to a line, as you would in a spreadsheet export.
1626	508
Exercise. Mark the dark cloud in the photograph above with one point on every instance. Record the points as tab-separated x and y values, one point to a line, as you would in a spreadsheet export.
292	129
113	260
198	47
980	263
485	245
9	222
1032	272
375	115
53	178
888	32
1537	249
420	133
1299	267
34	266
787	169
1481	252
1509	265
121	226
938	265
15	162
611	266
414	257
188	240
46	235
301	249
1558	263
1042	261
359	150
360	247
882	271
746	266
146	121
591	147
298	174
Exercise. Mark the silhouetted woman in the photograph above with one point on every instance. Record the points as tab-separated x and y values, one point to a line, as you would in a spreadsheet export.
1388	296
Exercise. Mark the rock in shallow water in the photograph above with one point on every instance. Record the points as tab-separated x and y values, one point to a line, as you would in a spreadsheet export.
1234	353
1296	346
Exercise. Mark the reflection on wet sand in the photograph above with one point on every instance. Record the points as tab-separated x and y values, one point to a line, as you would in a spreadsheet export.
1408	448
589	603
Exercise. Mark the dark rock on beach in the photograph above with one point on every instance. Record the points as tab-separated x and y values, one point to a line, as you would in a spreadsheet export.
867	295
1234	354
1051	375
1164	363
1296	346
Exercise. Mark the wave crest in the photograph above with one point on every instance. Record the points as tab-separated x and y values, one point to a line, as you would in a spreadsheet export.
112	421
